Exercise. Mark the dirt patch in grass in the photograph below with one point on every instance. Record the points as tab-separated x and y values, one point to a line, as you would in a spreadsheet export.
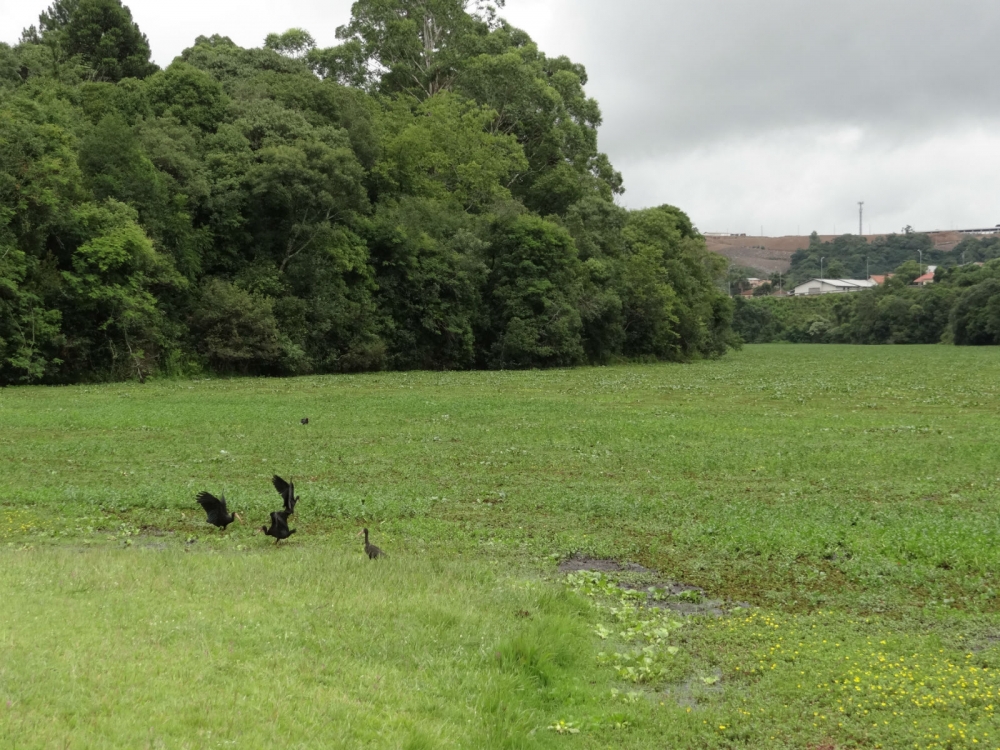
577	563
682	598
696	689
155	531
984	642
713	607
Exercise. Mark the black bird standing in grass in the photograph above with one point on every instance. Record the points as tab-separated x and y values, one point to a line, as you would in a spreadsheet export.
215	509
304	420
279	526
287	492
370	549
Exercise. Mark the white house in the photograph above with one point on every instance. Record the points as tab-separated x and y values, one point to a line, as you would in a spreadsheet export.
831	286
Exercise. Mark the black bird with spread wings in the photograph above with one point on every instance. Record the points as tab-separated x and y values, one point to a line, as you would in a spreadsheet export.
215	509
279	526
287	492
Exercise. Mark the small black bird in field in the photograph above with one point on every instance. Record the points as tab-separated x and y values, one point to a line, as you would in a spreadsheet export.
304	420
279	526
287	492
215	509
370	549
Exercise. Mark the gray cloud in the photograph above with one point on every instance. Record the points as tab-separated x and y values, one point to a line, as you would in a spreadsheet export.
785	113
793	182
673	74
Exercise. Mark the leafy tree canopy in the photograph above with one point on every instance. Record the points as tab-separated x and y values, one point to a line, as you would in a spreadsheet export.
99	34
429	193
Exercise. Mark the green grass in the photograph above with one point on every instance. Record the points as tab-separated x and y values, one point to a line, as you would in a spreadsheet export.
849	492
275	648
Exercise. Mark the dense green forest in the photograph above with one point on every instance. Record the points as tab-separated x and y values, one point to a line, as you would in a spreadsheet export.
426	194
962	306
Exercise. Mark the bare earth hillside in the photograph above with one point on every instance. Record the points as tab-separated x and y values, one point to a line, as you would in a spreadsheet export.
774	253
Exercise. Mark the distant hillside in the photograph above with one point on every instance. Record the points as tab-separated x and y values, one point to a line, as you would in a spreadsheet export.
772	254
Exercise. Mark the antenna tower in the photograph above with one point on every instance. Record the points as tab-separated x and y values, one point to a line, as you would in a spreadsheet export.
861	217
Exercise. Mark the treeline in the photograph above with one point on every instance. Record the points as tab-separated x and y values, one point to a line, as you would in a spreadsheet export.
962	306
427	194
853	257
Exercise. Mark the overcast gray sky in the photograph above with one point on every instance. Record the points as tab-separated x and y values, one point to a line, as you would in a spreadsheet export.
778	115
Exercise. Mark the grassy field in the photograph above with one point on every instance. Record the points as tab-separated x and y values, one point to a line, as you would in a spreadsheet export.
838	504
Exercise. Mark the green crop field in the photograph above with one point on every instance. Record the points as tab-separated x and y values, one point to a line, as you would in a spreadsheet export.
813	531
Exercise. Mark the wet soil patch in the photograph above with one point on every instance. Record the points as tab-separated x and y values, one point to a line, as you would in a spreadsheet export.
155	531
582	562
684	599
984	642
696	690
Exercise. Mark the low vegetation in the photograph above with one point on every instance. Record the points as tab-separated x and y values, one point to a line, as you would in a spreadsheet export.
961	306
854	257
828	515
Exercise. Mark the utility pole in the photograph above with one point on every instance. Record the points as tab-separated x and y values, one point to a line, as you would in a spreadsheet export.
867	272
821	267
861	218
921	262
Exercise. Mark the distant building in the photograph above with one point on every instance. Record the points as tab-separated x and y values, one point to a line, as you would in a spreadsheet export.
987	230
927	278
881	278
832	286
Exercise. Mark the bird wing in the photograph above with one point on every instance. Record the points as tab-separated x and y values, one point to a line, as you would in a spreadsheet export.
213	506
280	485
287	492
279	520
283	488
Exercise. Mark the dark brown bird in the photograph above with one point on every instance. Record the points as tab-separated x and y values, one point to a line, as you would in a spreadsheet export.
216	511
287	492
304	420
370	549
279	526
